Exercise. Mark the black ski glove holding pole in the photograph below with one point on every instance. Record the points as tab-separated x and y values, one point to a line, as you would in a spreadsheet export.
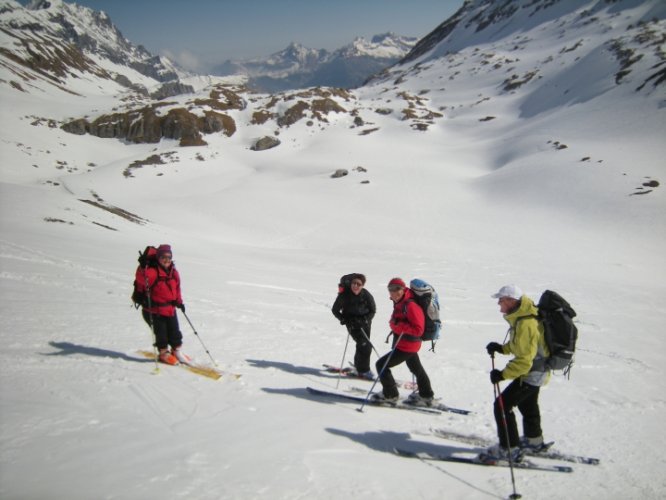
496	376
494	347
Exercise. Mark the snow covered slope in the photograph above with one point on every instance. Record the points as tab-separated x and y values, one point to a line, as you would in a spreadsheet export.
458	172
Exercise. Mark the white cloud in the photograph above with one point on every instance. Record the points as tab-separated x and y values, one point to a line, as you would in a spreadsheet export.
185	59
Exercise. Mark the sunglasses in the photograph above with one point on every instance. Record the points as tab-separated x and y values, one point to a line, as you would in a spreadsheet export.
356	283
394	288
165	257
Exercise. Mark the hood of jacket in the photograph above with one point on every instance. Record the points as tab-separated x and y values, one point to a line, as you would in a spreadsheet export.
526	308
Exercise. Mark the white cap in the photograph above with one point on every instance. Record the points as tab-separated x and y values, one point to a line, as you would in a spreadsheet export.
509	291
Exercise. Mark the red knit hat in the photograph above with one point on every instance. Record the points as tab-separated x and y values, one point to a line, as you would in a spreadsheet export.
397	282
162	249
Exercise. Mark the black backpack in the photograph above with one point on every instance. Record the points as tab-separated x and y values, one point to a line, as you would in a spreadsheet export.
147	258
345	282
560	332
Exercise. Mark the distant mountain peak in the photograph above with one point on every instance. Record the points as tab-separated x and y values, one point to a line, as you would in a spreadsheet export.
297	66
383	46
383	36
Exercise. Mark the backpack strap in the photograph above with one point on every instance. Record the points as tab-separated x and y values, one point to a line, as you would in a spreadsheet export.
541	365
418	339
532	316
413	338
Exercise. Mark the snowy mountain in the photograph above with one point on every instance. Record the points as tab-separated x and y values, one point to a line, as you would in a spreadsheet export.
56	38
295	58
299	67
512	145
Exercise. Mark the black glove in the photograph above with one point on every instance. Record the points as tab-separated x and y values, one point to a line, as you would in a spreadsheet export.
493	347
343	321
496	376
139	299
356	323
181	307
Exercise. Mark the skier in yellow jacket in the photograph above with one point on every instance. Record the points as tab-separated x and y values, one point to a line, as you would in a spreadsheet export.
527	370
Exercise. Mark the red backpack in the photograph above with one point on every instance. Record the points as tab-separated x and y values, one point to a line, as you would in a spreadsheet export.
147	258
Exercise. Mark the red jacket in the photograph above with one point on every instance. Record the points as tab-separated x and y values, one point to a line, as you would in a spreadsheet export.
408	319
164	290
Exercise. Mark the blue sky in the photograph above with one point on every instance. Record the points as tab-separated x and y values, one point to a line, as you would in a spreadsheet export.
197	33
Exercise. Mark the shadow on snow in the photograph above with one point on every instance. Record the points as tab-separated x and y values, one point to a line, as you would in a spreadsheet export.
68	349
386	441
287	367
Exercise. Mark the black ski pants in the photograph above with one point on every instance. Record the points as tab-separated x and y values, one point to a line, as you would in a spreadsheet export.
363	348
526	398
390	388
166	329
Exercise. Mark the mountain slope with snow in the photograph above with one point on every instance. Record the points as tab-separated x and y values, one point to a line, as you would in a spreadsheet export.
458	172
61	41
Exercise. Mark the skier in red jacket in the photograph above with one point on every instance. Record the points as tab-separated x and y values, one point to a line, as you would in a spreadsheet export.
407	324
163	282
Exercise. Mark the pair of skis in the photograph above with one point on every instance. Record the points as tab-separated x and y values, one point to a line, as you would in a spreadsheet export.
205	371
351	372
545	452
436	409
481	459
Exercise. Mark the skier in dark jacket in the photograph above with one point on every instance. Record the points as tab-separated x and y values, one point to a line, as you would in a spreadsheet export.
355	307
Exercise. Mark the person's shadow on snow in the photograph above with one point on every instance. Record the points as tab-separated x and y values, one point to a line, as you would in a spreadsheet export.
286	367
68	349
388	441
301	393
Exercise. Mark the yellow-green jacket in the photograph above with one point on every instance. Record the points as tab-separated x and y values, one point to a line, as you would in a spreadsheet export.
527	344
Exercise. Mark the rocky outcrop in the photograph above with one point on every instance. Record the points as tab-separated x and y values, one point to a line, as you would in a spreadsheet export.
319	101
204	115
171	89
266	142
293	114
147	126
222	99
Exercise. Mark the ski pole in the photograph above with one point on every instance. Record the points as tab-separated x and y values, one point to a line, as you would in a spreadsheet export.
379	376
342	363
150	318
500	400
195	333
368	339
